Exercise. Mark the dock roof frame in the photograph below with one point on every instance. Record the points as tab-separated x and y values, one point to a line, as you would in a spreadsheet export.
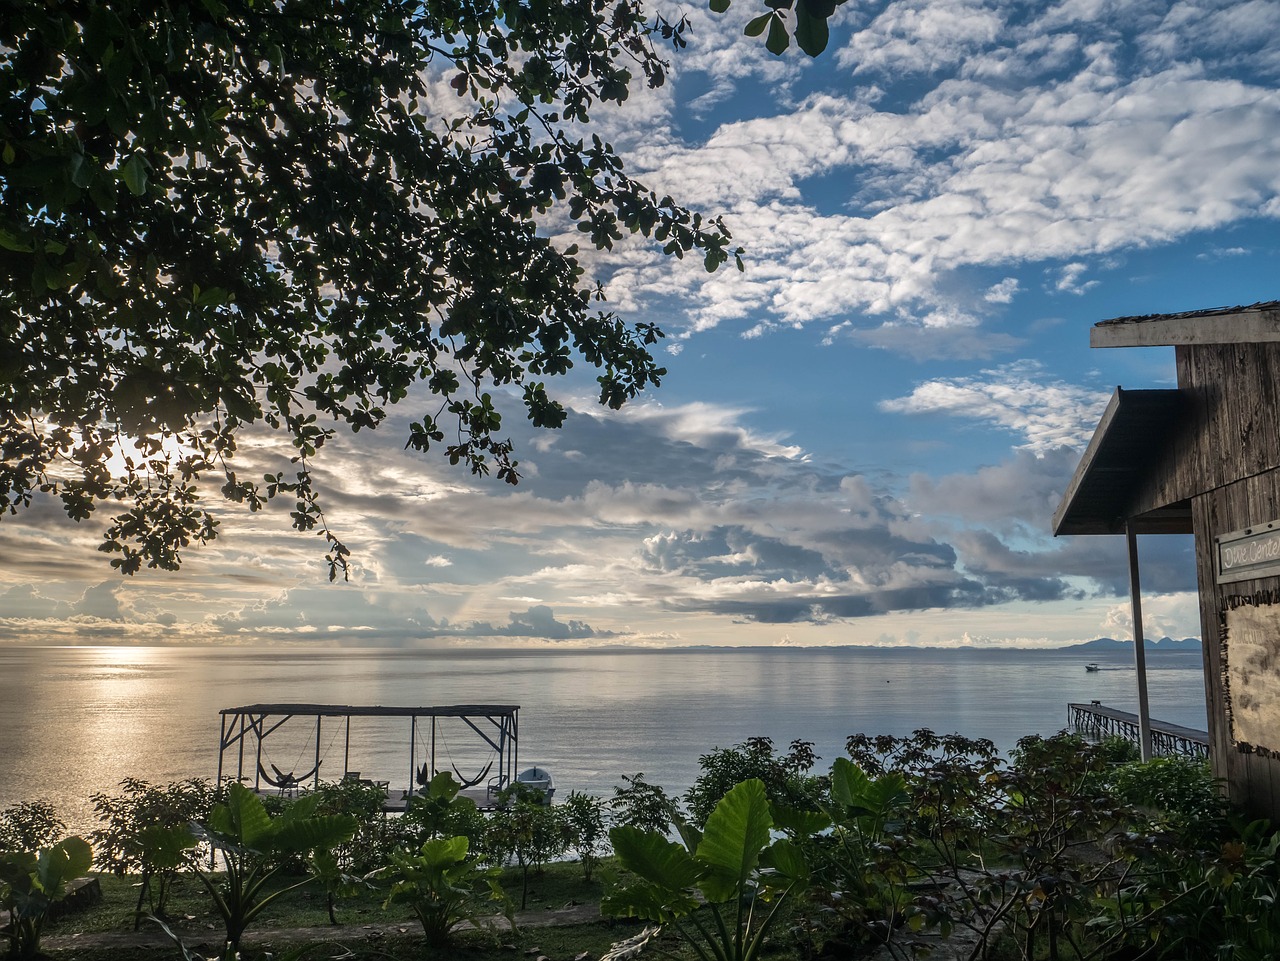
255	722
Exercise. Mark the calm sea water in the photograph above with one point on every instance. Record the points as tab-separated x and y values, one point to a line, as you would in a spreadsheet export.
76	720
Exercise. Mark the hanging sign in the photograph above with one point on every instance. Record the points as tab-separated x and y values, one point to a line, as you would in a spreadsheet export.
1252	552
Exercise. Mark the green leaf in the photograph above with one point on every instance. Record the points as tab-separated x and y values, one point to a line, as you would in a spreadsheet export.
756	26
812	31
652	857
785	859
242	820
134	174
299	835
778	40
719	6
849	783
11	241
651	902
734	835
799	823
65	861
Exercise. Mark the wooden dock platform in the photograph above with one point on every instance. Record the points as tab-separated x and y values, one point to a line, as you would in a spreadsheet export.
1166	739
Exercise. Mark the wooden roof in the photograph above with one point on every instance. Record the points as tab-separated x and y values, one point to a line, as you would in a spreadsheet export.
1130	437
1258	323
349	710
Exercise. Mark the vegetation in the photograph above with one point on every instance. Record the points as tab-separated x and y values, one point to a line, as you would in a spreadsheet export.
718	886
1066	850
252	845
143	834
438	883
31	883
231	215
30	825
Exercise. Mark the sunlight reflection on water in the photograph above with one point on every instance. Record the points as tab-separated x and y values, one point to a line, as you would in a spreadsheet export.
77	720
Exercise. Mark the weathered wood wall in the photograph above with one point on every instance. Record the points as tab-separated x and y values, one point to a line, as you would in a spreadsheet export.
1227	459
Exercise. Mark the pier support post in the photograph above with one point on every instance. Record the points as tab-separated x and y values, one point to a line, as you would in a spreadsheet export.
1139	644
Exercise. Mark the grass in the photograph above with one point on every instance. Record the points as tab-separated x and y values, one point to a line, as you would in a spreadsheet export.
105	932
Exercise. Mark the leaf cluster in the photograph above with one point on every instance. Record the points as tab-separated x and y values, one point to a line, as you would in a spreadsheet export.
294	216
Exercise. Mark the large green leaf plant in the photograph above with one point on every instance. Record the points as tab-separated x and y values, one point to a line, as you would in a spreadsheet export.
721	887
253	847
31	882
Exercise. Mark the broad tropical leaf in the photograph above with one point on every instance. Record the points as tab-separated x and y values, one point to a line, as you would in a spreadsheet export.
735	834
650	902
242	820
655	859
787	862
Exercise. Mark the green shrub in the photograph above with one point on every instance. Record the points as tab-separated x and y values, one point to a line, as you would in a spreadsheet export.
29	826
1181	792
584	821
785	776
128	842
642	805
439	884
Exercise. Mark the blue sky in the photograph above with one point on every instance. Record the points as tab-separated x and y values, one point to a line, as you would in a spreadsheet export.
863	437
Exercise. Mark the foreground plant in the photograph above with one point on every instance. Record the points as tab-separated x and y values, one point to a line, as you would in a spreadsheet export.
31	882
439	884
252	846
144	833
723	887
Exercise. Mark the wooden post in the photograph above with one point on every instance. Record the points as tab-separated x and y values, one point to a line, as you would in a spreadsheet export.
222	747
315	785
1139	644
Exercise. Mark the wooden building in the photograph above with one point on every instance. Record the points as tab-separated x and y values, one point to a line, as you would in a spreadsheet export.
1205	459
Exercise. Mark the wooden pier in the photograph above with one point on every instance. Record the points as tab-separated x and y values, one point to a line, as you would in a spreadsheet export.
1166	739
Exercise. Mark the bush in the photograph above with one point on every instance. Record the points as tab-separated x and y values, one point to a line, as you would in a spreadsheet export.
642	805
29	826
784	775
137	833
31	882
1180	791
584	820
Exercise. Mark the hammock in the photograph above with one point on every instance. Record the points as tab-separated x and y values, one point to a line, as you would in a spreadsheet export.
285	781
475	780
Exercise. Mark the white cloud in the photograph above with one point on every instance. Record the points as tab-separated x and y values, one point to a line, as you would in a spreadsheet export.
1003	292
1039	141
1046	413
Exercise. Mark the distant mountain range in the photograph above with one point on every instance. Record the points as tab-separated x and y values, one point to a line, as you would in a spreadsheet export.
1104	645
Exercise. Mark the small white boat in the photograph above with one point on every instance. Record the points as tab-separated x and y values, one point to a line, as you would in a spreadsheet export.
538	779
1092	666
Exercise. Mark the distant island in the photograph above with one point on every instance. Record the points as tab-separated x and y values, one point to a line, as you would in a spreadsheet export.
1107	644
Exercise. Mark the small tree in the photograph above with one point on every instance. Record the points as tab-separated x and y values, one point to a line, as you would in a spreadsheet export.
584	820
529	831
785	776
642	805
143	832
30	825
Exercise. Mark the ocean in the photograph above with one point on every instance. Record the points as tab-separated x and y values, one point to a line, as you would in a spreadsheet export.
76	720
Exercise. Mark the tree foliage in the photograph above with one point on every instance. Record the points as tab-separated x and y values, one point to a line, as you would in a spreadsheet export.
295	214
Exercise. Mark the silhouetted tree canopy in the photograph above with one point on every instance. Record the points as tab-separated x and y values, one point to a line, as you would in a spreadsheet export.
294	213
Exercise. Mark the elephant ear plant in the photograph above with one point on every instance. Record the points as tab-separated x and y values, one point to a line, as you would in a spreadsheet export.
30	883
254	846
722	887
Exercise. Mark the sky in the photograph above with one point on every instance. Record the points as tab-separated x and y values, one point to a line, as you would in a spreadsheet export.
863	437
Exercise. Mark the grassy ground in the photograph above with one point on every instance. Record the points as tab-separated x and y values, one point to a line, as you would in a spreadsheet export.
561	923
